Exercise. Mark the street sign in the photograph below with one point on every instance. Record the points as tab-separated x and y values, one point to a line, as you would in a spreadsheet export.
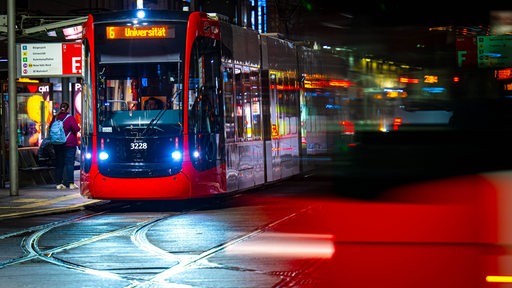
49	60
466	49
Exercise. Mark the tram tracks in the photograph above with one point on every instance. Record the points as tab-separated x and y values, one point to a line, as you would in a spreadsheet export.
136	229
191	260
36	230
32	250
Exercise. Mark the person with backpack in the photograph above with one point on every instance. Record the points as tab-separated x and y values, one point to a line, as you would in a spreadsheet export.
65	150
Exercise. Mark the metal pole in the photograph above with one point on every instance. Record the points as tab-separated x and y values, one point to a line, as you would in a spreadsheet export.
65	91
42	108
12	100
3	149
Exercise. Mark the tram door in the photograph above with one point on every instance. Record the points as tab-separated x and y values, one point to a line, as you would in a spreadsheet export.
205	104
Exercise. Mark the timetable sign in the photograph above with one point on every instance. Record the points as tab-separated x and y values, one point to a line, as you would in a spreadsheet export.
49	59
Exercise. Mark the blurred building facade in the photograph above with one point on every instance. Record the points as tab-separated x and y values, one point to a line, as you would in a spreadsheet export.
306	22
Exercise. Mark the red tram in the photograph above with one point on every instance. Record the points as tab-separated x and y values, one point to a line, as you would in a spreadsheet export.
235	109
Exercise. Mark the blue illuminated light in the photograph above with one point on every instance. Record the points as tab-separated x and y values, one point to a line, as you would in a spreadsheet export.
434	89
141	14
176	155
88	155
493	55
393	90
103	155
195	154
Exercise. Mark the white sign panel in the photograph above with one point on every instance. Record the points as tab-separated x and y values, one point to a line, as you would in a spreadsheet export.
49	59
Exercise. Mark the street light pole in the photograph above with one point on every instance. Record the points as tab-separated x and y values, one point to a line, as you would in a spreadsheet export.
12	97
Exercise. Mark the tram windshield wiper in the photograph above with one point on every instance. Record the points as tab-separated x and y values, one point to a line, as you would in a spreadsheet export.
153	121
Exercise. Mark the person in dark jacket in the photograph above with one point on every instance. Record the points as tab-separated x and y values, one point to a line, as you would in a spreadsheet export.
65	153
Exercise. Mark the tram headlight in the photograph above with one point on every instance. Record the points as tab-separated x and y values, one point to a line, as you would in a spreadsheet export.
103	155
176	155
141	14
195	154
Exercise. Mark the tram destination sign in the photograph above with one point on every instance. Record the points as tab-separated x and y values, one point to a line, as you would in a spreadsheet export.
143	32
49	59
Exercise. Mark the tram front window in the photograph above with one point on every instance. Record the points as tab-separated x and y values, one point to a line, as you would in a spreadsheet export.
133	96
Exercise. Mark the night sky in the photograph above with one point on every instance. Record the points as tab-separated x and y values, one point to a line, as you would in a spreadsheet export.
392	13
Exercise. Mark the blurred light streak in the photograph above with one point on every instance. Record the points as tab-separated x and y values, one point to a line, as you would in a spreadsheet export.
499	279
287	245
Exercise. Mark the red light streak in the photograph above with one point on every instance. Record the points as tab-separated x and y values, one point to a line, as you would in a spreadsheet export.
408	80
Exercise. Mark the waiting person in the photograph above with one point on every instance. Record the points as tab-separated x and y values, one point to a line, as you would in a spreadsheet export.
65	153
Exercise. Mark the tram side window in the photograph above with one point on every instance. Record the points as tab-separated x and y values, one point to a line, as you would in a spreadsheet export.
282	106
293	106
288	116
247	103
246	110
239	104
255	95
229	108
287	112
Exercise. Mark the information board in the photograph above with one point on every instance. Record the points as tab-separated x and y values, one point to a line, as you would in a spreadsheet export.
494	51
49	60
